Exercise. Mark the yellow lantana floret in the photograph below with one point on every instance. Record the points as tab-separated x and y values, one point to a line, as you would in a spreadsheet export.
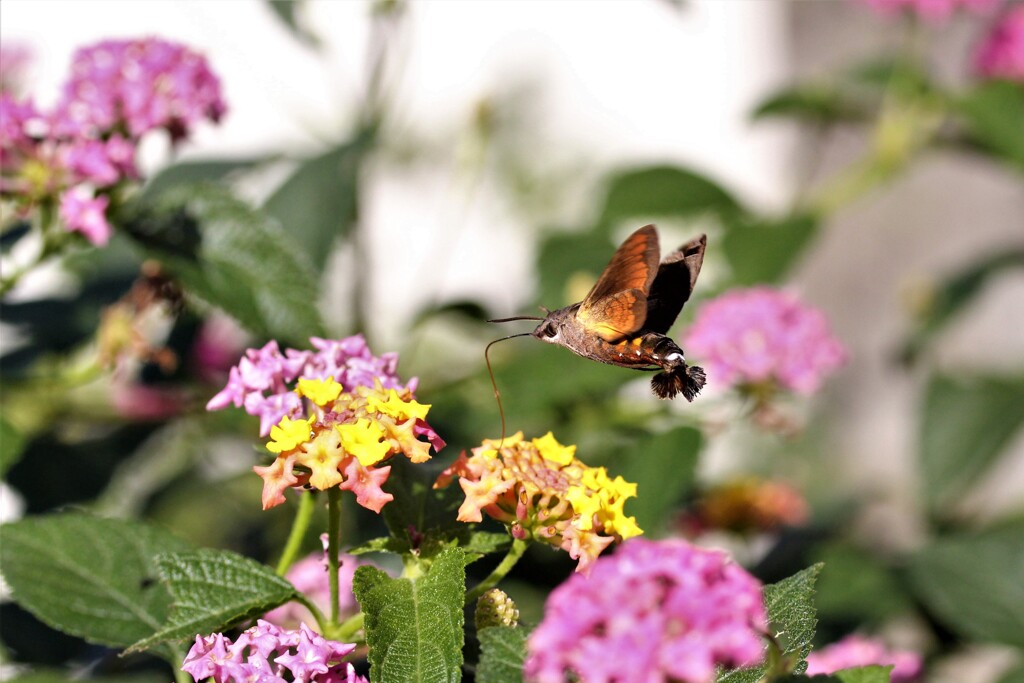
550	449
397	407
289	433
322	392
362	439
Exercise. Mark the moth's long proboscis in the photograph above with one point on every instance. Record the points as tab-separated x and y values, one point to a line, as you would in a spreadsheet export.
494	382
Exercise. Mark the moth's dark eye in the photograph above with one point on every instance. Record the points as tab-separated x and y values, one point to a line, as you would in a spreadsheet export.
549	331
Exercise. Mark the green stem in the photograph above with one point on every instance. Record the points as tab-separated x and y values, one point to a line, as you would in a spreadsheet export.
352	625
178	658
514	553
321	620
333	540
307	504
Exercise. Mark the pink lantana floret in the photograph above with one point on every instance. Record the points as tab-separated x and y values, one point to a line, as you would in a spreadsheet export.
857	650
653	611
761	334
86	214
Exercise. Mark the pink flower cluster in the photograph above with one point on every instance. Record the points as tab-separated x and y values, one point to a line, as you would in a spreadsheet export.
652	612
930	10
118	91
310	577
855	650
266	653
260	381
751	336
1001	53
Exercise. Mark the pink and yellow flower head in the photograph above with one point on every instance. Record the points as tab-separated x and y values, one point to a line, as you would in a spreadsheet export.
344	441
542	491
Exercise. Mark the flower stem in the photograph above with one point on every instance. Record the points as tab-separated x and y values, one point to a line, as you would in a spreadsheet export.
333	539
514	553
307	504
178	658
345	631
321	620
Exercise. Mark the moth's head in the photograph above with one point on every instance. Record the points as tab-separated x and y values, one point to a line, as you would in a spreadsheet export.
549	330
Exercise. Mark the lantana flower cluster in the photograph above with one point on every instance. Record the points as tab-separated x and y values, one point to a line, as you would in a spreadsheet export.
857	650
763	336
78	153
652	612
341	422
1001	52
747	504
269	654
543	492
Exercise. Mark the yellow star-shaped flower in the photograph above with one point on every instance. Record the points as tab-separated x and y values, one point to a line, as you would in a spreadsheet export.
289	433
551	450
322	392
322	456
362	439
397	407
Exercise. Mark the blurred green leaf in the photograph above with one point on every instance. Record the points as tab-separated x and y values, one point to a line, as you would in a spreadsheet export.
966	424
58	676
414	626
212	590
1015	675
227	254
766	250
419	511
502	652
90	577
12	444
955	294
814	103
580	257
972	583
487	542
850	573
993	112
663	191
466	309
285	10
663	466
317	204
792	618
863	674
198	171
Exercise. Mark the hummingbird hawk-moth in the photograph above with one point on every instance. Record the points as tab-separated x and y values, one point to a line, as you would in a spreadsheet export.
625	318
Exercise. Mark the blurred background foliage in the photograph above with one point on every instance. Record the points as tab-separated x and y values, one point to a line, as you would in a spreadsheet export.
952	589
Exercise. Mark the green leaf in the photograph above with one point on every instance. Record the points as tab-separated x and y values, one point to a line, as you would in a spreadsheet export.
790	604
864	674
955	294
318	202
993	112
90	577
663	191
814	103
224	252
972	583
851	573
12	445
765	251
487	542
967	422
502	651
198	171
212	590
1015	675
414	626
663	466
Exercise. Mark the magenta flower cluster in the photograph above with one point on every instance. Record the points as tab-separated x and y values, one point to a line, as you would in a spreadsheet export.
260	381
118	91
1001	53
652	612
268	654
856	650
930	10
751	336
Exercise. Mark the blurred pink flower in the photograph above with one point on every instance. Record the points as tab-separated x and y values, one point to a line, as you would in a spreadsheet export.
1001	53
14	59
935	11
84	213
136	401
856	650
310	576
750	336
652	612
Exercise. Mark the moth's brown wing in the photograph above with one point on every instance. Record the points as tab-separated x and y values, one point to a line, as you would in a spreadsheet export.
673	284
617	305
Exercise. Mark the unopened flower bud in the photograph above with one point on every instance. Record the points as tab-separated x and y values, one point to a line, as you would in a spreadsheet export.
495	608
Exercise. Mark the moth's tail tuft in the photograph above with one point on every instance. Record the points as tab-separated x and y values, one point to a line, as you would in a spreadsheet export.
685	380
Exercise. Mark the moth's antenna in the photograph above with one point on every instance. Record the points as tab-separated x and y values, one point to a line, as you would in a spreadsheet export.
508	320
494	383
